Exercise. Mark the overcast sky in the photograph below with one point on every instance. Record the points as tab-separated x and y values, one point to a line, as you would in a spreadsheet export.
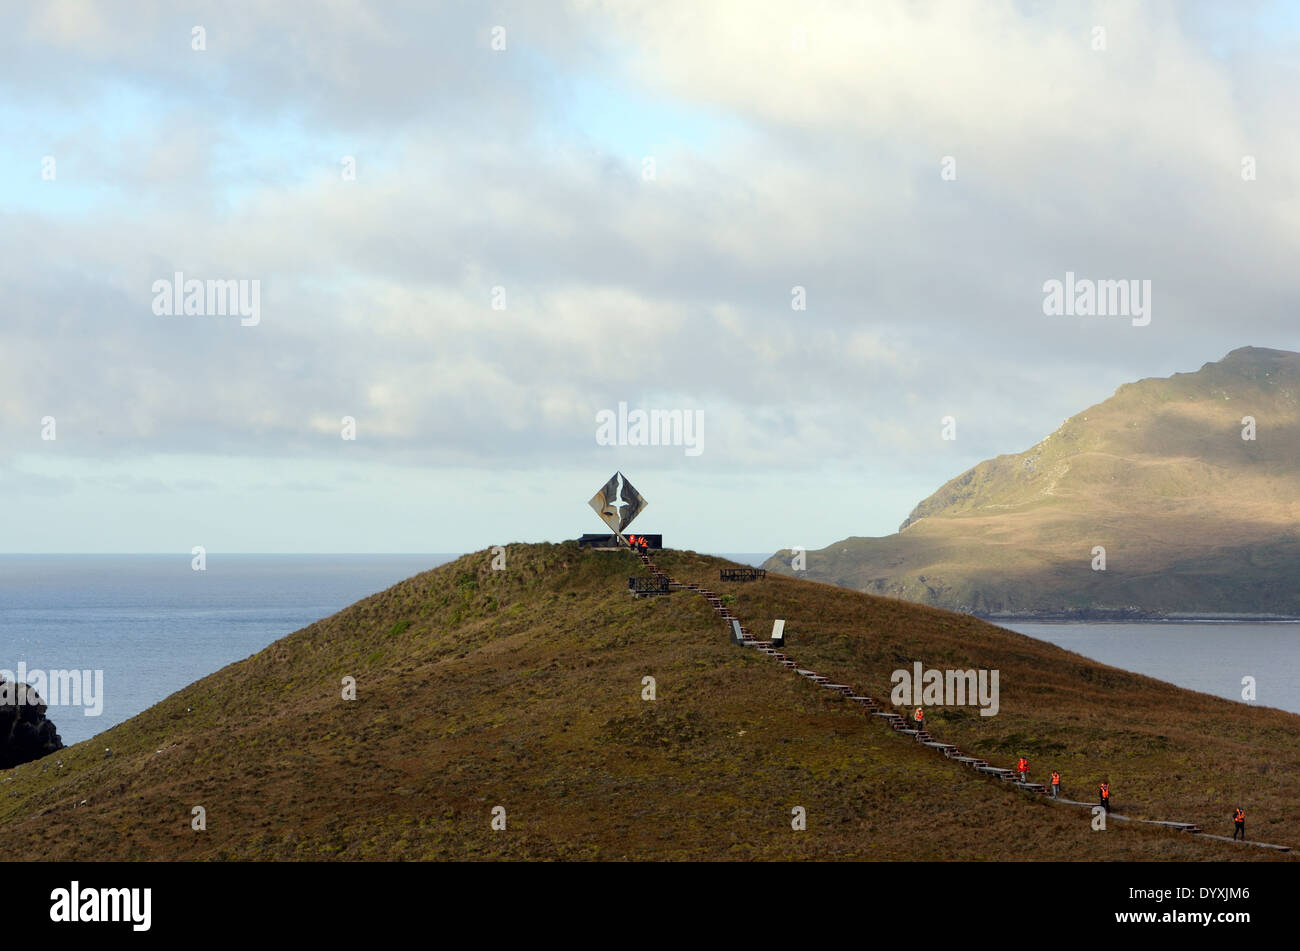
790	145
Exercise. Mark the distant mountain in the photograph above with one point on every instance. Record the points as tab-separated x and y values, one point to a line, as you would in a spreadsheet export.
1193	517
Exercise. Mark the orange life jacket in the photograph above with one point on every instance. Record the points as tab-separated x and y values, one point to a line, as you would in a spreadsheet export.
1239	817
1105	790
1056	779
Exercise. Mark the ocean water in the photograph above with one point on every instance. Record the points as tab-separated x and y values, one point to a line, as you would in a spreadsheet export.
153	625
1209	656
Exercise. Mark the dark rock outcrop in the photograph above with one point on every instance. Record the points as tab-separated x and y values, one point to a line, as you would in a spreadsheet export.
25	734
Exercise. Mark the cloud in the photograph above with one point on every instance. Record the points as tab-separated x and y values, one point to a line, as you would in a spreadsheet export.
775	167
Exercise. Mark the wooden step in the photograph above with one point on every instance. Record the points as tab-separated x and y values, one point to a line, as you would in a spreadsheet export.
1228	838
1181	826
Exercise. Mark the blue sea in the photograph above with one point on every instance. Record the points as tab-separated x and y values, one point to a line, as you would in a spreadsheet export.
1210	656
153	625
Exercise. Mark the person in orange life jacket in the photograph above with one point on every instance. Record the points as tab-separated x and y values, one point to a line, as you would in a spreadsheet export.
1105	795
1239	823
919	718
1022	767
1056	784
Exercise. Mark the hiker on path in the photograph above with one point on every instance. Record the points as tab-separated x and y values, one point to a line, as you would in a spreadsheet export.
919	717
1105	795
1239	823
1056	784
1022	768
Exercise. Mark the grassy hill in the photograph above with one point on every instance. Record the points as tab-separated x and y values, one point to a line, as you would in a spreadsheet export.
1192	517
522	688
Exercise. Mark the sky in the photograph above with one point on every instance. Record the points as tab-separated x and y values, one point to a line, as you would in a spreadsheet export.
474	228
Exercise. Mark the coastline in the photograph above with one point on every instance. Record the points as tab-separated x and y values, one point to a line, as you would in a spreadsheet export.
1095	616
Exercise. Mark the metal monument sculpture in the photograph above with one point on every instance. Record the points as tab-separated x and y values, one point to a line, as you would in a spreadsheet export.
618	503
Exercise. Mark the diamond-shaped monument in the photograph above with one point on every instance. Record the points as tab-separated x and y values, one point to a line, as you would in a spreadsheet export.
617	503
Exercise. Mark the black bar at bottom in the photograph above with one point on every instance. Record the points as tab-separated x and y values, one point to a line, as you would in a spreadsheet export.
927	900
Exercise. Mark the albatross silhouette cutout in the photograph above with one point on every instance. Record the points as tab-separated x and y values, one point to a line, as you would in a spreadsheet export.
618	503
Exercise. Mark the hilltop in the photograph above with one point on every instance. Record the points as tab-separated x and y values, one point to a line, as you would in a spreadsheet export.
523	689
1192	517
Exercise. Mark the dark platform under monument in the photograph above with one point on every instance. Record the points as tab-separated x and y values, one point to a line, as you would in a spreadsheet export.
609	541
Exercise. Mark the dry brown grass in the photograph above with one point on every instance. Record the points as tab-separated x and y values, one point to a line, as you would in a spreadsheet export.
522	688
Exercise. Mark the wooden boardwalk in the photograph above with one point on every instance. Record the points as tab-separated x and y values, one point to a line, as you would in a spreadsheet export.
899	725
